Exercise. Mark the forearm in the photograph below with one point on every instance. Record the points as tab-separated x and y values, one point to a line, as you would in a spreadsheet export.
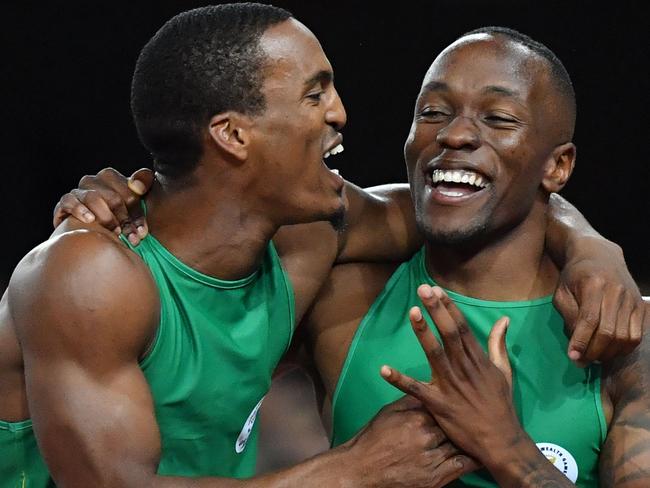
380	225
570	237
327	469
524	466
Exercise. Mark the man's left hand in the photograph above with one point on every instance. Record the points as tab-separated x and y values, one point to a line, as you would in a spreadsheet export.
601	306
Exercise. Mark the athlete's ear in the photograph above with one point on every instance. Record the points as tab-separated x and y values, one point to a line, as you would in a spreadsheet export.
230	131
559	167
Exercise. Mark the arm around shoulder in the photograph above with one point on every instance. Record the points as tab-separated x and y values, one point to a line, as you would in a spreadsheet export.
380	225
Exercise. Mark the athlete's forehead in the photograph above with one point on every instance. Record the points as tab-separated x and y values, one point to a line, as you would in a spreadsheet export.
295	54
486	64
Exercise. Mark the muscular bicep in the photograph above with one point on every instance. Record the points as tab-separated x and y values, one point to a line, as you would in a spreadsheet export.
84	310
625	458
93	429
380	225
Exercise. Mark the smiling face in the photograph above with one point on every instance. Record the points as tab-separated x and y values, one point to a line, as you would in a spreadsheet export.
298	128
486	137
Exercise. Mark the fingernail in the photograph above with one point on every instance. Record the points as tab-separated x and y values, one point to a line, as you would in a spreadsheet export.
88	217
141	231
137	186
417	314
385	371
574	355
118	230
427	291
133	239
458	461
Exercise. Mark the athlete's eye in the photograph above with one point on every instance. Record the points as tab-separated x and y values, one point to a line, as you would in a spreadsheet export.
432	114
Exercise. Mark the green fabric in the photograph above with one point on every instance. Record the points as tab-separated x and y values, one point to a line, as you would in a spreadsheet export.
556	402
210	366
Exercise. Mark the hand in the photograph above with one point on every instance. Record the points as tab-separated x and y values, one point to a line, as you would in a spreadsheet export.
403	447
111	199
601	305
470	394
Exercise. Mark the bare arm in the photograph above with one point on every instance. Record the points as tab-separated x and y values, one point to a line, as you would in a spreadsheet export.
625	459
596	296
85	309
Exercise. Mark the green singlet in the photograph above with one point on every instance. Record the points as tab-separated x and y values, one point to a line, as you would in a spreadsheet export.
558	404
209	368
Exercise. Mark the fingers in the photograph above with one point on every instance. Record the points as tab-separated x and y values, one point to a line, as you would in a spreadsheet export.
452	469
449	329
98	205
141	180
497	350
70	205
405	403
459	342
589	299
566	304
432	349
408	385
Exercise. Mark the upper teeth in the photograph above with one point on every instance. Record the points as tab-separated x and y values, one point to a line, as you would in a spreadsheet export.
458	176
333	151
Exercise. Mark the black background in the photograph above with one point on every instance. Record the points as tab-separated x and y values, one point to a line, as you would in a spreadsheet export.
67	69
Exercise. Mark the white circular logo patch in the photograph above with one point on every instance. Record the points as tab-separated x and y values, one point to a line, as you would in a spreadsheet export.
246	430
561	459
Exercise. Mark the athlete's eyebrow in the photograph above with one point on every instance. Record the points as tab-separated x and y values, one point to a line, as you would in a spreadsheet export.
324	77
501	90
435	86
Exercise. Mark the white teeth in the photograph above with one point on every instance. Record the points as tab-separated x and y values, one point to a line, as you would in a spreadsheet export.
335	150
458	176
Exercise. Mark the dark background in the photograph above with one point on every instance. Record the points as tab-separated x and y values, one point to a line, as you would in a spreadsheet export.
67	70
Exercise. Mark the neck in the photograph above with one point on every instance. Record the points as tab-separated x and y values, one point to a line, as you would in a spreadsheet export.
214	227
510	267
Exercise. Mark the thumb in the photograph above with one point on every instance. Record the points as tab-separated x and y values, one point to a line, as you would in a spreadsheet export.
140	182
497	350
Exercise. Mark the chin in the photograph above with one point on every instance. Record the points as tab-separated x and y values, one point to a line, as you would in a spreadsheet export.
460	236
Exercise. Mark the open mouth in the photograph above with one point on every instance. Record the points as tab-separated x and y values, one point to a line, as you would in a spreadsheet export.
335	148
457	183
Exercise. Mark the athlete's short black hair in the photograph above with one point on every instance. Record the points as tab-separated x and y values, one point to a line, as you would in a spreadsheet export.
558	72
200	63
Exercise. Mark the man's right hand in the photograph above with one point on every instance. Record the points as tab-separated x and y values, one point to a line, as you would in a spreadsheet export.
403	446
111	199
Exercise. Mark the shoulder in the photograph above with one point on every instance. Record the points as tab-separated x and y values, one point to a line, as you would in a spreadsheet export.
83	285
307	253
348	293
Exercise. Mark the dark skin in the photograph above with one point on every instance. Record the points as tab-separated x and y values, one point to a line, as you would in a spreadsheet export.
470	396
307	252
69	359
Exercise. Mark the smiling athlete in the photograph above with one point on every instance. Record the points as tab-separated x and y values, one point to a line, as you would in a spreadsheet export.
146	366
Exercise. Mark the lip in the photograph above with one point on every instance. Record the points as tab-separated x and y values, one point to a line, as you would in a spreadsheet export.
338	139
436	196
